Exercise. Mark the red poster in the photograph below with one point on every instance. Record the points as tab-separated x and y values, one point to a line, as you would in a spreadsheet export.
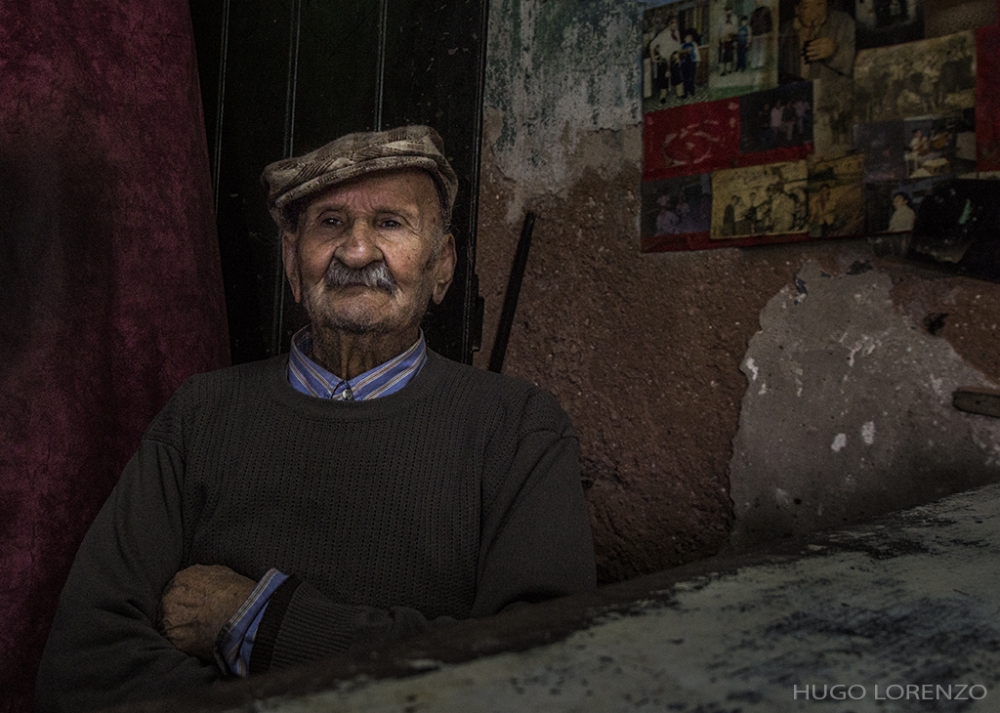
988	99
692	139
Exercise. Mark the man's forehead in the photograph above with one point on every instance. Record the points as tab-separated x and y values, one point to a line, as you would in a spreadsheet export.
411	187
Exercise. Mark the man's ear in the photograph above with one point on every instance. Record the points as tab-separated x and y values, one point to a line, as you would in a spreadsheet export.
290	258
444	269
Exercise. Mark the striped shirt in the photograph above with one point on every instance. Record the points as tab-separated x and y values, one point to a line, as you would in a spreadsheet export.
308	377
311	379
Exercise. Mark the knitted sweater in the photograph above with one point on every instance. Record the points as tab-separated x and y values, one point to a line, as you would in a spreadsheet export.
450	499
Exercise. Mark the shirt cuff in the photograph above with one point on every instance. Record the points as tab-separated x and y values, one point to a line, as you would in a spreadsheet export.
235	641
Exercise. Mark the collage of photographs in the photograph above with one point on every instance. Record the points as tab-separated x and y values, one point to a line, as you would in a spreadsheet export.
783	120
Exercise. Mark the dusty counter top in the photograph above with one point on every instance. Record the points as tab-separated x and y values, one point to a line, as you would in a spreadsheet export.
901	614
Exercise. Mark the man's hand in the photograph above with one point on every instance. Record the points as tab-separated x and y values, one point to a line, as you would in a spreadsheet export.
820	48
197	603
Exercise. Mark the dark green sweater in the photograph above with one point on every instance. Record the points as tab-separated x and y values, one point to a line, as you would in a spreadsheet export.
452	498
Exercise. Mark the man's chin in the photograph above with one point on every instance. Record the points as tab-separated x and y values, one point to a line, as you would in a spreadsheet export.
357	309
349	324
370	312
357	329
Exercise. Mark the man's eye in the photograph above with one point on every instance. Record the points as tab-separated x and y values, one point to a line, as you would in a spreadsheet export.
389	223
333	222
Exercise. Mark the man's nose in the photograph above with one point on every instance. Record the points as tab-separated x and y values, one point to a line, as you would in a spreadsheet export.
360	246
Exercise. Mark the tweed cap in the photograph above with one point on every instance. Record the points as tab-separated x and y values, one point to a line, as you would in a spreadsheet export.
355	155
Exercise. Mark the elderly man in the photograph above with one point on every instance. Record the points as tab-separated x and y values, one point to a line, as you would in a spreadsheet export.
360	490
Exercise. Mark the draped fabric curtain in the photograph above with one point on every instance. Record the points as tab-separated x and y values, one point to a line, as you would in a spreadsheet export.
110	282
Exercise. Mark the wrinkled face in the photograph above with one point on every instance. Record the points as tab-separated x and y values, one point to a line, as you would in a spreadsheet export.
369	255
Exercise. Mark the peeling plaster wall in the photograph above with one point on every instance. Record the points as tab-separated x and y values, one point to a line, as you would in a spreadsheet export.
646	352
848	412
550	87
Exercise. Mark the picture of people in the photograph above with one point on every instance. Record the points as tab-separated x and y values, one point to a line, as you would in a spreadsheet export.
888	22
917	148
675	207
725	40
883	145
892	207
903	216
744	41
776	118
934	77
836	197
833	117
940	146
795	120
759	200
817	40
674	67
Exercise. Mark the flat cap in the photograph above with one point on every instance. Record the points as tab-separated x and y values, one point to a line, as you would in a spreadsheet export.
355	155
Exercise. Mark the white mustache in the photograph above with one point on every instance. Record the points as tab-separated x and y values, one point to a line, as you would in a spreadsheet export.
375	275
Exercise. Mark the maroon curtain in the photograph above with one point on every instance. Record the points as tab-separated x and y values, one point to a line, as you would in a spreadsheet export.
110	282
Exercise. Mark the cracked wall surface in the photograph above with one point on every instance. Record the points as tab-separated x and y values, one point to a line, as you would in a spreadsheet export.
648	352
848	413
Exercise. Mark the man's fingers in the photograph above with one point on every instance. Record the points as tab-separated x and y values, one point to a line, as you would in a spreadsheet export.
197	603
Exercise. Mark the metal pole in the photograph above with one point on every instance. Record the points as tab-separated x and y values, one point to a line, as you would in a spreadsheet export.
510	297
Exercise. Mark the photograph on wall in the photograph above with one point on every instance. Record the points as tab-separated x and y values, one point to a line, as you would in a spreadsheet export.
940	146
888	22
891	206
884	146
675	55
836	197
759	200
816	39
988	99
833	117
743	52
943	17
958	228
935	77
858	128
690	139
777	122
675	207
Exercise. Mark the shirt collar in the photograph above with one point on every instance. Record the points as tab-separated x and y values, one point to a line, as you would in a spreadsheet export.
308	377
